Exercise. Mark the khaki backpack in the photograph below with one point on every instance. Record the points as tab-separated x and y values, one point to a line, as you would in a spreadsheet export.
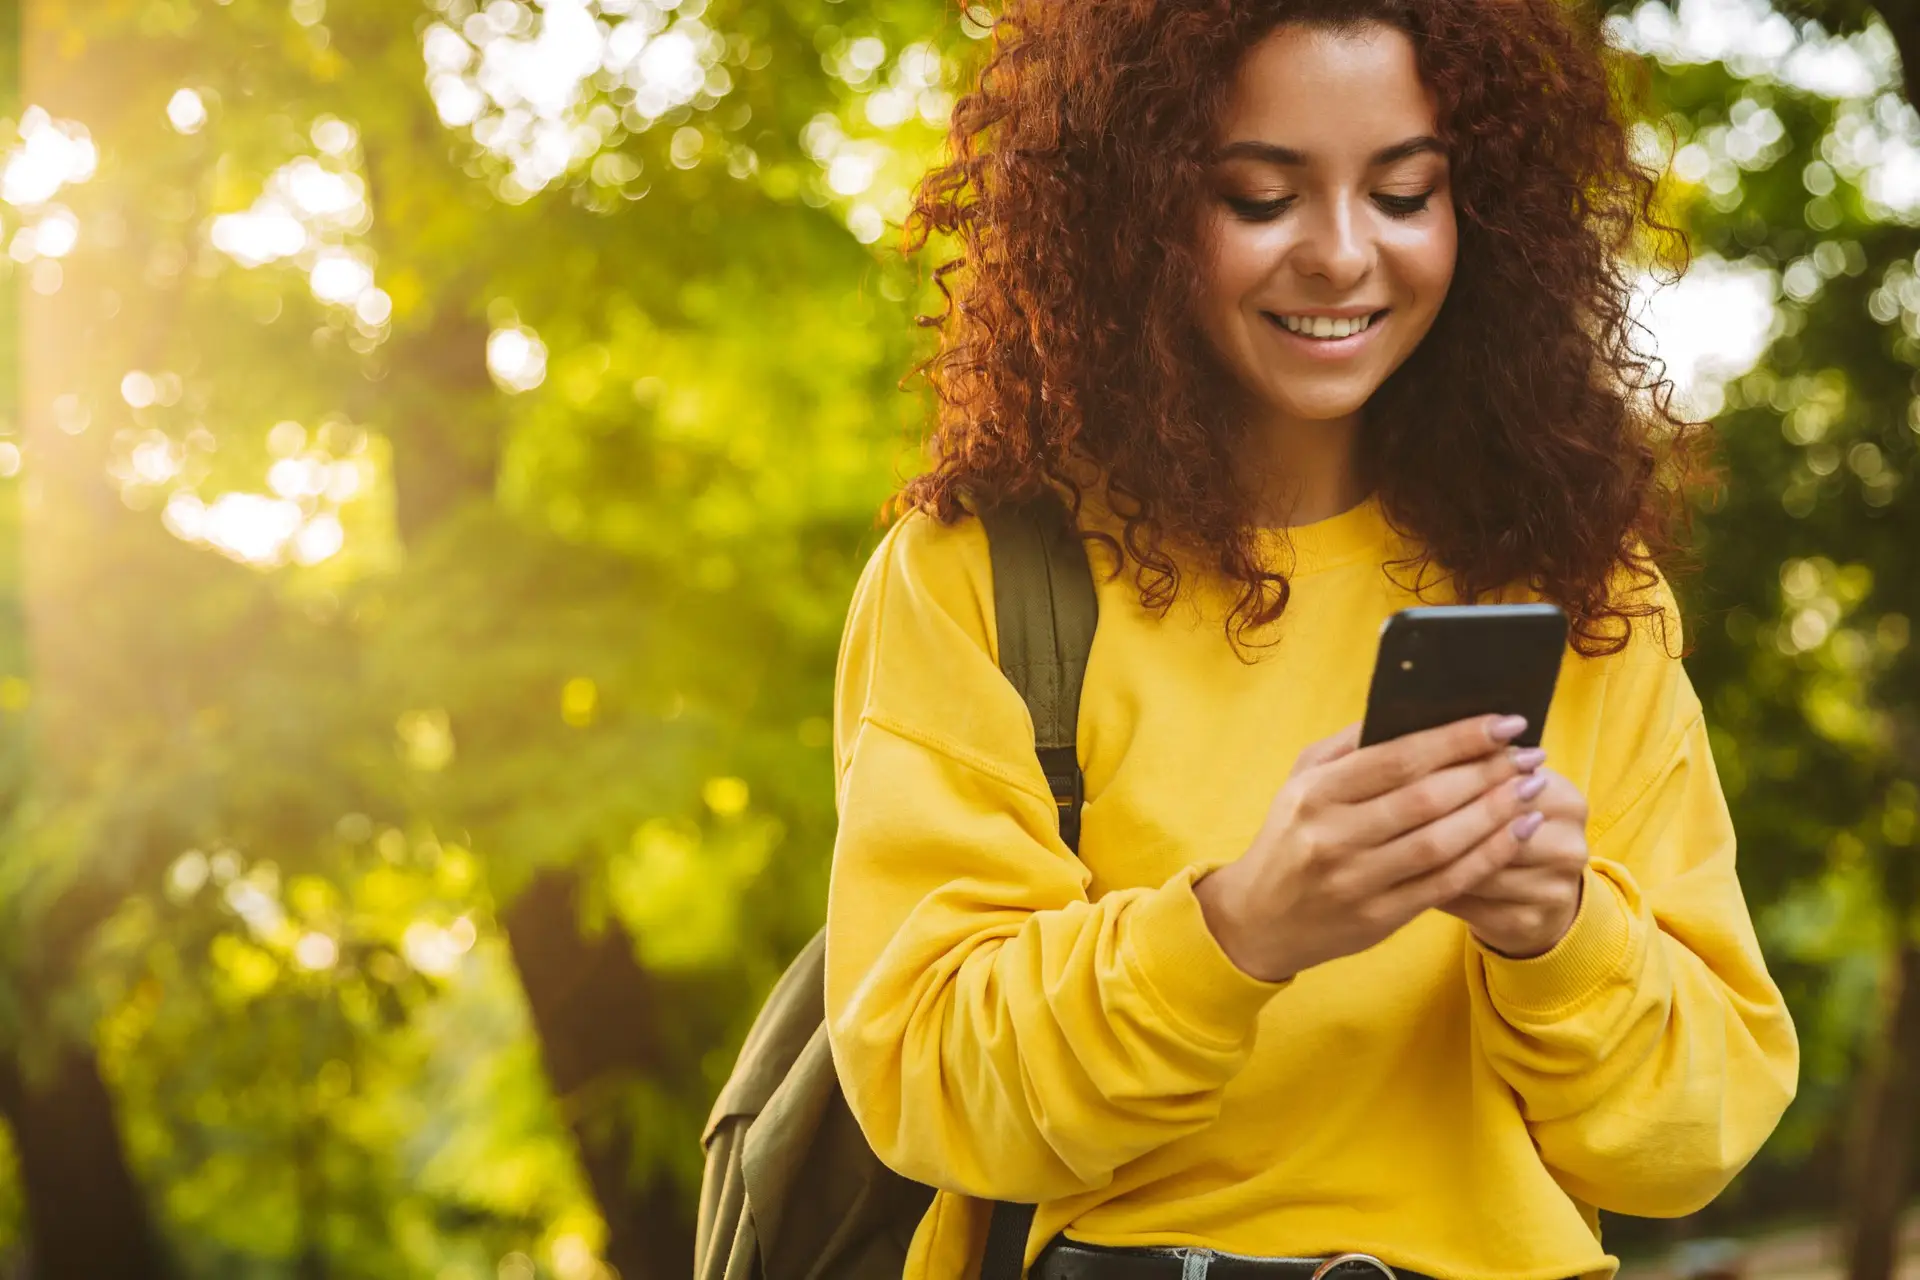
791	1190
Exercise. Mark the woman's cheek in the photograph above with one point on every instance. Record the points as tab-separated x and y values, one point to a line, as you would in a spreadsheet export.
1440	253
1230	271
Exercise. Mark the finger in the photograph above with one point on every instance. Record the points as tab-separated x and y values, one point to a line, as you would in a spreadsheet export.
1428	799
1464	875
1388	766
1420	853
1539	870
1468	904
1514	886
1561	800
1547	843
1328	749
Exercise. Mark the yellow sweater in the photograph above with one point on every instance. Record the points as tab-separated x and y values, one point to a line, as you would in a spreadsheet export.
1011	1021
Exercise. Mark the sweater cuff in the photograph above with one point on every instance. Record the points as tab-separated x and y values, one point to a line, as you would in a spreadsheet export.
1184	968
1593	953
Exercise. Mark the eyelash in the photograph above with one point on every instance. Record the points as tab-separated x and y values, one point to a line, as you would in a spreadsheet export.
1267	210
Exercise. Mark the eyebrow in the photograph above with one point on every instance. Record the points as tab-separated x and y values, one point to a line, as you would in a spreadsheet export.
1274	153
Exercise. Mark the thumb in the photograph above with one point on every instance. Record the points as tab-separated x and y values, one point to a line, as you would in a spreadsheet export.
1328	749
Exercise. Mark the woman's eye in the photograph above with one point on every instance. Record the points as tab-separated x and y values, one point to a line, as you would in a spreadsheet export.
1248	209
1403	206
1257	210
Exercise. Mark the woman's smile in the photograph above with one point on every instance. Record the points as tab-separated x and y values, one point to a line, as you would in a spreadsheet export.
1323	335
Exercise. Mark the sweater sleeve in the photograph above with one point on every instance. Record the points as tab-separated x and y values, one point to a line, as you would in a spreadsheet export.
997	1033
1650	1051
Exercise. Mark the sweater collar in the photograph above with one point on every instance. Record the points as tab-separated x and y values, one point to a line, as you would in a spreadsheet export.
1359	532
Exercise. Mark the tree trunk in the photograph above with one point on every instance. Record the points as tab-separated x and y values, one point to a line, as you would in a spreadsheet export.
1902	19
597	1013
85	1216
1883	1154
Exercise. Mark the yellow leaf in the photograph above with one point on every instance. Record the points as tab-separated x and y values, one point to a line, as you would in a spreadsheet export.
578	698
727	797
426	739
250	969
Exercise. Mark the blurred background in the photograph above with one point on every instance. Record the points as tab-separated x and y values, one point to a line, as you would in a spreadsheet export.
438	443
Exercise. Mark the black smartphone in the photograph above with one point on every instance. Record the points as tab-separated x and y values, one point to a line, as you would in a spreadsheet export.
1441	663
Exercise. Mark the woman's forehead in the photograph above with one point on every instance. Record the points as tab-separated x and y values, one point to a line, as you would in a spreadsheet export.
1323	92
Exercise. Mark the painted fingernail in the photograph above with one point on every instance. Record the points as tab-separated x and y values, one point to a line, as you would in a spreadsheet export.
1507	728
1525	825
1531	785
1527	759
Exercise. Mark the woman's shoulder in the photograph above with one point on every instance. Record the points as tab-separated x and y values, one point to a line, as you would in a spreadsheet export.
928	568
1646	612
1631	701
1642	623
926	572
919	657
924	541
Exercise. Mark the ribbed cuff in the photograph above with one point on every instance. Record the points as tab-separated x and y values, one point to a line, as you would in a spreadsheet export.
1182	963
1595	950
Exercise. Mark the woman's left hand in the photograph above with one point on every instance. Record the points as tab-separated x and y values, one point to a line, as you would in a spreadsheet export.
1527	906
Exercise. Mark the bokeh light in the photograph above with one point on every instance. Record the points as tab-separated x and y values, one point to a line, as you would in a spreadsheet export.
52	154
186	111
522	80
517	358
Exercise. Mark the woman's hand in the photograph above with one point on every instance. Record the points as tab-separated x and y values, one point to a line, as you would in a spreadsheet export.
1361	840
1528	905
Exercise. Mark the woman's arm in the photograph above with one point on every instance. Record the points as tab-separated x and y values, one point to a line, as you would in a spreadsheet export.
996	1033
1651	1052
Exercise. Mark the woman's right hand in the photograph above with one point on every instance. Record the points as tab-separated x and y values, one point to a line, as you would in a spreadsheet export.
1361	840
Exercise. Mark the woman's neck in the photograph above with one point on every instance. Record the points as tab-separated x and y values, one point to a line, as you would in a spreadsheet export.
1304	471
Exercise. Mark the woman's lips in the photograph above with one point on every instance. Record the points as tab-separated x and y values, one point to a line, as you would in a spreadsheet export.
1327	348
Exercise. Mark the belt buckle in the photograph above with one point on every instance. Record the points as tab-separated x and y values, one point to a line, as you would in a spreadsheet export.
1385	1270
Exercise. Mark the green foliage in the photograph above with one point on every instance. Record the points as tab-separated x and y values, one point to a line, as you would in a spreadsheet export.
338	638
1811	544
581	622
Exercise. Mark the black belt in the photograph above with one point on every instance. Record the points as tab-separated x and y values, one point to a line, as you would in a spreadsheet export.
1067	1259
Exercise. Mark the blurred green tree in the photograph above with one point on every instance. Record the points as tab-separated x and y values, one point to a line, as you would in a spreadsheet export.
1786	157
450	435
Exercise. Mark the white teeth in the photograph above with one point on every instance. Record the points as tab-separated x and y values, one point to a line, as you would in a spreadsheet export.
1325	326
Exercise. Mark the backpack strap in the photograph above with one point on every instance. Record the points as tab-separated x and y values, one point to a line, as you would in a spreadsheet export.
1007	1232
1044	610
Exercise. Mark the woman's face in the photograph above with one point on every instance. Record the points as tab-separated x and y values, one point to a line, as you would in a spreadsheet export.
1328	227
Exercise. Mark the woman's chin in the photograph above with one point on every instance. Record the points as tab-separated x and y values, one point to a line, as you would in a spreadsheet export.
1337	405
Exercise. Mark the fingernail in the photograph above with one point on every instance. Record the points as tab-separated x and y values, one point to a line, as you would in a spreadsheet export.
1531	785
1527	759
1507	728
1526	824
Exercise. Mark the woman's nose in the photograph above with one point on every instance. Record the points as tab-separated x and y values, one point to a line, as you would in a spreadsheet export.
1337	245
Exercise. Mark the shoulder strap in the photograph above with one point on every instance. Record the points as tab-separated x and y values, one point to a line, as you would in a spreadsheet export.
1045	611
1044	614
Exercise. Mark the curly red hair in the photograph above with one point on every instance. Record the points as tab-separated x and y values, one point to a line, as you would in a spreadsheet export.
1526	441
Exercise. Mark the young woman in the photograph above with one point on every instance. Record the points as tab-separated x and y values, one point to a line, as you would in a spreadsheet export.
1312	310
